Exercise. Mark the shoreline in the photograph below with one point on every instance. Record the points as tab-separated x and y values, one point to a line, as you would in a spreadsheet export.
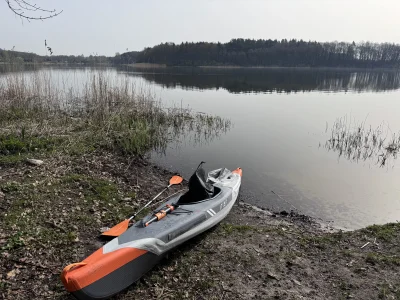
253	253
164	66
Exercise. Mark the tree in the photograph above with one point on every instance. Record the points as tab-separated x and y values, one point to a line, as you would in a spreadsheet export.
284	53
28	11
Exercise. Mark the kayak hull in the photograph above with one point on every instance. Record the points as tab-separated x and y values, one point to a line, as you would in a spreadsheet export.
126	258
119	279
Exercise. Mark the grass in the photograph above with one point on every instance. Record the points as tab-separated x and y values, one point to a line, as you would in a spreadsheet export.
383	232
43	215
377	258
13	144
9	187
231	229
105	113
322	241
360	143
14	242
12	160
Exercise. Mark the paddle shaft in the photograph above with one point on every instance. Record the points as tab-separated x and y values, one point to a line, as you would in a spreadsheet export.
151	201
161	214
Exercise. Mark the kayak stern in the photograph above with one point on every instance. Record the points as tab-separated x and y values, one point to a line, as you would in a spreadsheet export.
102	275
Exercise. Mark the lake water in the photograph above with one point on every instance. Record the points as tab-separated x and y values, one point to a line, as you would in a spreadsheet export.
281	121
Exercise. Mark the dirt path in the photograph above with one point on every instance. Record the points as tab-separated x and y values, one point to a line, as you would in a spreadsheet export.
50	216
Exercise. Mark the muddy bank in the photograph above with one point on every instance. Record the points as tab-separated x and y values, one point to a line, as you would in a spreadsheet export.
50	216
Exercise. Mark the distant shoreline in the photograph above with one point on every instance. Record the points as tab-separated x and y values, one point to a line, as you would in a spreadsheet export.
164	66
227	67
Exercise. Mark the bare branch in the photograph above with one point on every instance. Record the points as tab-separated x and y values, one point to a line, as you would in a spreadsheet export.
20	7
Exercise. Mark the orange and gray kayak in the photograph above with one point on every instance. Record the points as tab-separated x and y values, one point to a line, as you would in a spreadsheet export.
126	258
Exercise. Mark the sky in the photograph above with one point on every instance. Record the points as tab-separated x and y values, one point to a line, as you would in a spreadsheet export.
106	27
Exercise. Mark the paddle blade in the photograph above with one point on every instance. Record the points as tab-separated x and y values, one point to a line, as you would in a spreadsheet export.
175	180
118	229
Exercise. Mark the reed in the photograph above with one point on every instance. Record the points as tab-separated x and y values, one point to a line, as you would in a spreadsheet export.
357	142
105	112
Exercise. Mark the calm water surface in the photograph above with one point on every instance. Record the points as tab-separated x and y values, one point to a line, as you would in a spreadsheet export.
281	122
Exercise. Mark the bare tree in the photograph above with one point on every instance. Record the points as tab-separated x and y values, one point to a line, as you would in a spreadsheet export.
28	11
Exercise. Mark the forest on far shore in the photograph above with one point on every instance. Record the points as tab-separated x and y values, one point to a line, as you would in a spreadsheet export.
238	52
268	53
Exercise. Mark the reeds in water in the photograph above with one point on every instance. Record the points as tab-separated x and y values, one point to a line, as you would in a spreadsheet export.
361	143
100	112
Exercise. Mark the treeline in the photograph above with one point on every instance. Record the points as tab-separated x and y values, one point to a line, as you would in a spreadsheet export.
239	52
125	58
11	56
284	53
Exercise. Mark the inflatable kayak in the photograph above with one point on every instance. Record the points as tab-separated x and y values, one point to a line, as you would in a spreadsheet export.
126	258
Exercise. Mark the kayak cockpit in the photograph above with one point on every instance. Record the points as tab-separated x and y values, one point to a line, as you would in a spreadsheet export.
199	188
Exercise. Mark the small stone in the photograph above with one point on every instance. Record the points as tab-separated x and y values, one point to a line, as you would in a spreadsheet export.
12	273
127	199
350	264
296	282
272	276
34	162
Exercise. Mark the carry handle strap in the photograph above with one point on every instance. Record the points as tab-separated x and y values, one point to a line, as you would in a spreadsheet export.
70	267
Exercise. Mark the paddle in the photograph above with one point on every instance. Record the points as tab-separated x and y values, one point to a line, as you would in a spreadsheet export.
120	228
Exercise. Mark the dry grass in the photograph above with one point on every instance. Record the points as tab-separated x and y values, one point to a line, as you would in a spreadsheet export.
105	112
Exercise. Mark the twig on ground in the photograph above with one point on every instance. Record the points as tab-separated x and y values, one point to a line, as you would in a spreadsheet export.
365	245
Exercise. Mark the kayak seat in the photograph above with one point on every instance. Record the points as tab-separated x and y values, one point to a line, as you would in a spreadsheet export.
190	198
199	188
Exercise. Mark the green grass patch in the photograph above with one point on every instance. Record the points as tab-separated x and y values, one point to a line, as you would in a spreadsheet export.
14	144
377	258
10	187
94	188
322	241
384	232
14	242
11	160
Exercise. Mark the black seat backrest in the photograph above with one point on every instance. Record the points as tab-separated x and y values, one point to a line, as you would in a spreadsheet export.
199	188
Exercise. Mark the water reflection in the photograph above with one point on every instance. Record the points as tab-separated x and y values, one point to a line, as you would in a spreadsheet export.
272	80
239	80
196	130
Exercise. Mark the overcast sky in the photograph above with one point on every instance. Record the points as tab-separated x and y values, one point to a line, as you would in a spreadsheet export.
106	27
